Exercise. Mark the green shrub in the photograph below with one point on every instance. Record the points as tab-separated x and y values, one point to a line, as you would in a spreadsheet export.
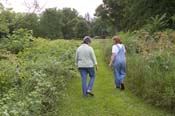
16	42
44	69
156	23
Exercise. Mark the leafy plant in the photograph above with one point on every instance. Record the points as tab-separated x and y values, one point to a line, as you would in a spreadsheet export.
156	23
44	70
16	42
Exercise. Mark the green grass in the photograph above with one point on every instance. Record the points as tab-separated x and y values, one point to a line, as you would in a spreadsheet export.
107	101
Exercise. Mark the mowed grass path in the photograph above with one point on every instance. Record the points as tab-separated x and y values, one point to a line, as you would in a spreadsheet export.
107	101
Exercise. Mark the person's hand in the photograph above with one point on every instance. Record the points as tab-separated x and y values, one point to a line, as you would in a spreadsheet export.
110	64
96	67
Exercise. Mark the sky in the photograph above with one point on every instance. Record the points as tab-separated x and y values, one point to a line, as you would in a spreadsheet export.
82	6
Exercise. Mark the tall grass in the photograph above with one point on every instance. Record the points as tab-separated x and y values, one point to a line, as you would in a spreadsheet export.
151	81
150	66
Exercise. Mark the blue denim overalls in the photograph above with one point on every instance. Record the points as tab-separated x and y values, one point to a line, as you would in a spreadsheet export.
119	65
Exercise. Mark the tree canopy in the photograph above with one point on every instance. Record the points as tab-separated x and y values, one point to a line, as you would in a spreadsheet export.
110	17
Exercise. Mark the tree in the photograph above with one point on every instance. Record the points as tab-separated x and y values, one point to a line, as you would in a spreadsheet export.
82	28
143	10
51	23
100	28
7	21
111	11
69	22
3	25
30	21
133	14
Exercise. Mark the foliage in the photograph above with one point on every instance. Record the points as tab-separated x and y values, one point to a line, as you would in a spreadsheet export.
16	42
82	28
156	23
70	17
133	14
107	11
43	70
28	21
100	28
7	20
150	64
108	101
51	23
111	17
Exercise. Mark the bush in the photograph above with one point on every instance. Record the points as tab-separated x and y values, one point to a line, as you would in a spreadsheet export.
16	42
156	23
43	69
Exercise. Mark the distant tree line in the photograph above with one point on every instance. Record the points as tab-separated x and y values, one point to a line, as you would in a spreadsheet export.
111	17
52	23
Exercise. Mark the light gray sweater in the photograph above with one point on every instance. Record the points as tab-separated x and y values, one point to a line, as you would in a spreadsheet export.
85	57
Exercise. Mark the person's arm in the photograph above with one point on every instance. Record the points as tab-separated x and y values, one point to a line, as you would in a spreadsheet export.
94	59
112	59
114	51
124	49
76	58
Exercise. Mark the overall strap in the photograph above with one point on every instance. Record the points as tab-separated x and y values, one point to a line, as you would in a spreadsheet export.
119	49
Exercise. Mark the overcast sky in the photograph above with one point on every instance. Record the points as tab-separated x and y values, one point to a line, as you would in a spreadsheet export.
82	6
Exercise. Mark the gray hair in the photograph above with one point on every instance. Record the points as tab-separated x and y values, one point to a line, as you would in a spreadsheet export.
87	39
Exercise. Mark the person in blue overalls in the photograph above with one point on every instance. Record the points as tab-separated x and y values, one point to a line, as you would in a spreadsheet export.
118	62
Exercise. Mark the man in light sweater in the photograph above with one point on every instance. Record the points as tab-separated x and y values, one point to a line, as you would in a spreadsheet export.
85	60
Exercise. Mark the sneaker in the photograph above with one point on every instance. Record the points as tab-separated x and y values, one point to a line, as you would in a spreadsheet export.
122	86
117	87
89	92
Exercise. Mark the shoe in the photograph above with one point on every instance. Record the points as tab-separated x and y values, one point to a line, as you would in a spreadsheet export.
122	86
90	93
117	87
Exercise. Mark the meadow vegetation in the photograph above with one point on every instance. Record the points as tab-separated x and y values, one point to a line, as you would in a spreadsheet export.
150	65
33	75
36	64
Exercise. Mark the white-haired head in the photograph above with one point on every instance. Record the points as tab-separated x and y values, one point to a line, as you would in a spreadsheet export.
87	40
